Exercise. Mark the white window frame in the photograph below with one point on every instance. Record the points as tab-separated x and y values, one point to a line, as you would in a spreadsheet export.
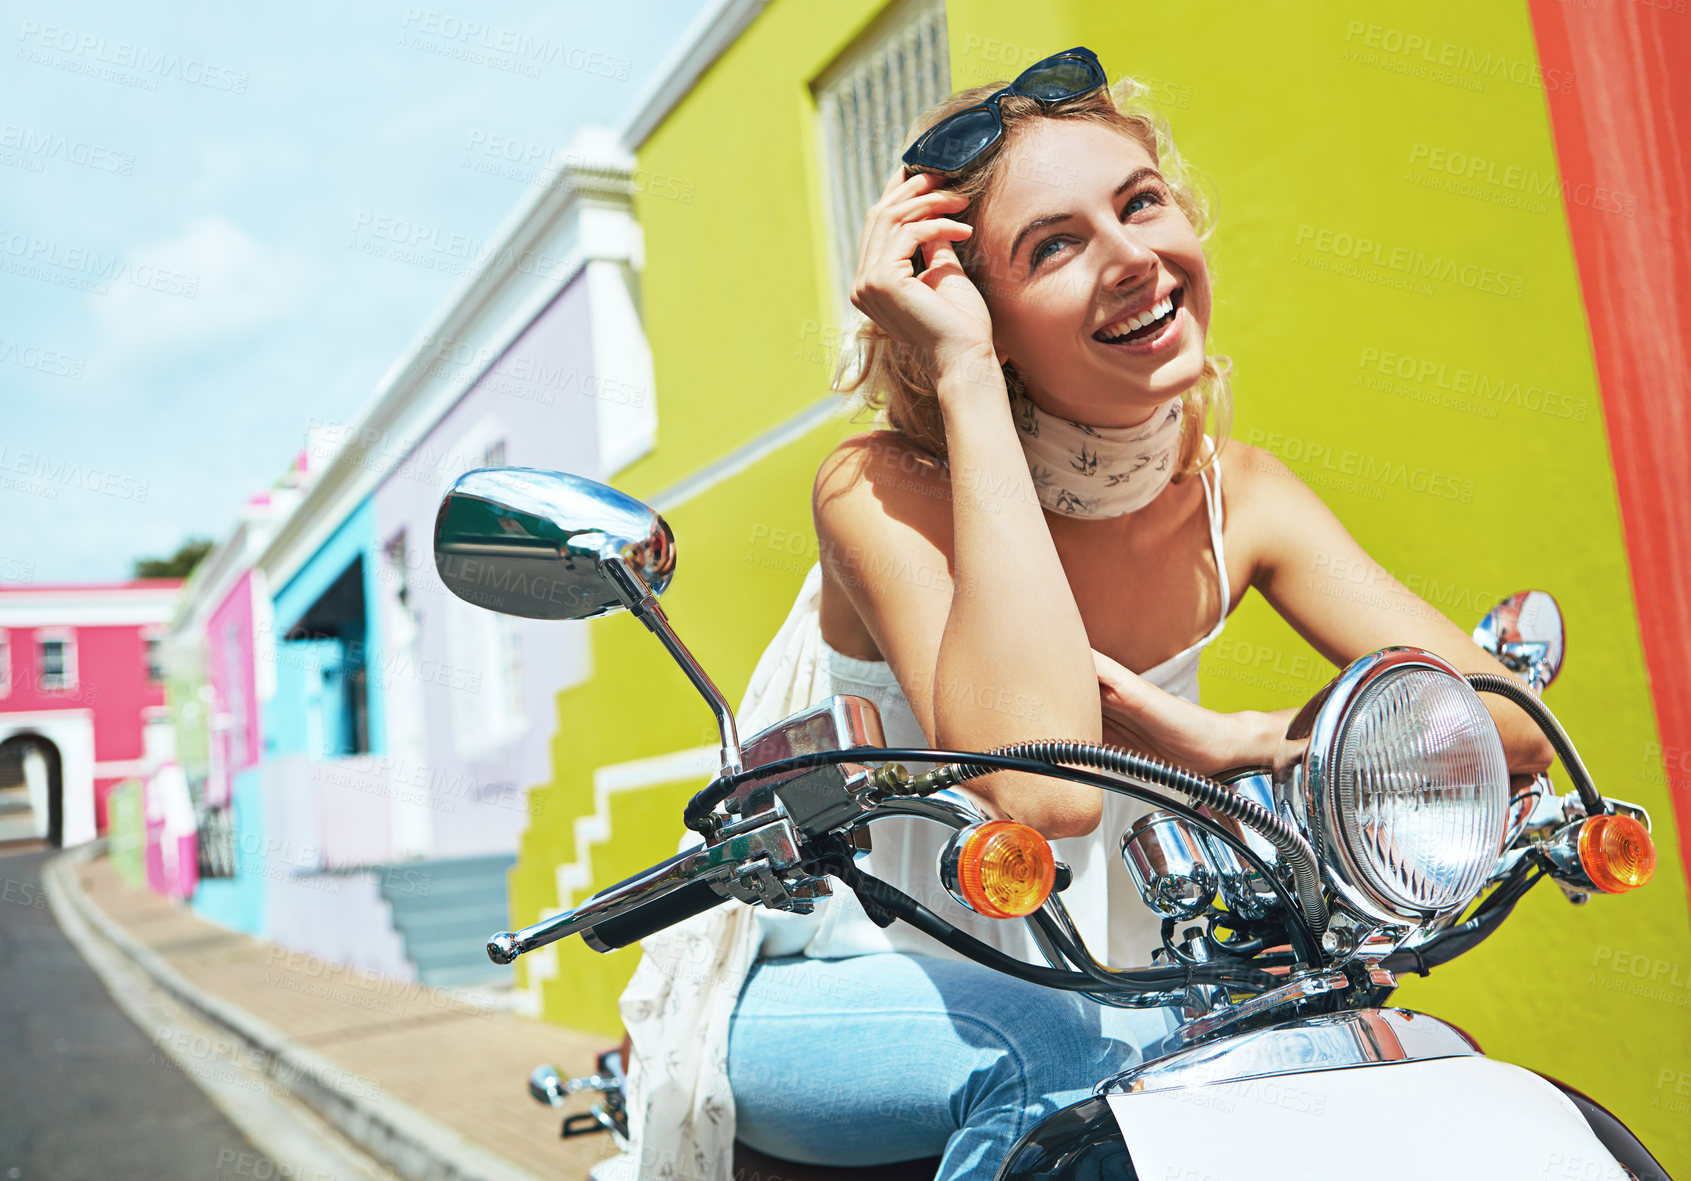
67	637
484	647
889	76
152	641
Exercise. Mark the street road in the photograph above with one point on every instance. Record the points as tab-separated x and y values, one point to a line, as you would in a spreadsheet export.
84	1093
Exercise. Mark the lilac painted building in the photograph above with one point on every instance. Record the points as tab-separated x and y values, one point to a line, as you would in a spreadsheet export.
470	693
370	738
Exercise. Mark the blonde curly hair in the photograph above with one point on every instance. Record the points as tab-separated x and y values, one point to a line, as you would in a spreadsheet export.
899	385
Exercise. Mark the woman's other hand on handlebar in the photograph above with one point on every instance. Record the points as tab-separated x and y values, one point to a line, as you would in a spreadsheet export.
1142	717
939	312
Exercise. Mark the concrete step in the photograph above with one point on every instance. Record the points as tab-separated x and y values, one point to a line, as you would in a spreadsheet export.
444	910
453	920
447	949
444	870
486	972
457	895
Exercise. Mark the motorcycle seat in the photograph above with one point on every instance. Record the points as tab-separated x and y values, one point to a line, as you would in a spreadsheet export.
750	1163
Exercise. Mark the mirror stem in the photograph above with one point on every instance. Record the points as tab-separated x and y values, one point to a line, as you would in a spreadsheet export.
634	592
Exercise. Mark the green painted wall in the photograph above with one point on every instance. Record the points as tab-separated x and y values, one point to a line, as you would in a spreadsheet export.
733	295
743	548
1497	401
1315	137
126	833
185	693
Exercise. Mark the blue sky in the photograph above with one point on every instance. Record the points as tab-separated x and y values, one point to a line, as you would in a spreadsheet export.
178	192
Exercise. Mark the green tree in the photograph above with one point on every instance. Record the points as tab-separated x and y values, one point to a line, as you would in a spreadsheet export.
180	564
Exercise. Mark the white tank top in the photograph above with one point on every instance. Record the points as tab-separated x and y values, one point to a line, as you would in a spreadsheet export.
1102	899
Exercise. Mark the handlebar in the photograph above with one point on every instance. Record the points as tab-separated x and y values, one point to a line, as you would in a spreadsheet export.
797	832
650	917
755	858
631	895
622	912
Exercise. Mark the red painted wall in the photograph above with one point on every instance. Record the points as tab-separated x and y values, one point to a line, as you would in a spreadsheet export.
1622	140
111	680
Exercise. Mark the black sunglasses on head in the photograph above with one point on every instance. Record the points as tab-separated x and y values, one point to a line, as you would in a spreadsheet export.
959	139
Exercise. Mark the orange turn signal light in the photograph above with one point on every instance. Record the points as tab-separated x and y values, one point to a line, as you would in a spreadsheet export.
1001	869
1616	852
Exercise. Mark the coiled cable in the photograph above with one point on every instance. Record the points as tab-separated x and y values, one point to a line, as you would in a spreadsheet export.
1290	843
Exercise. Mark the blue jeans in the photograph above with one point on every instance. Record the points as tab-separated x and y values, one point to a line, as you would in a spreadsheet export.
883	1058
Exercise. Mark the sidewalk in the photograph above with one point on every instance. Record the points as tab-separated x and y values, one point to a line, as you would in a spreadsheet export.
432	1081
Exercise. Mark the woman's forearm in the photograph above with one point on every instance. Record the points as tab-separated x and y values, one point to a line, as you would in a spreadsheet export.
1014	659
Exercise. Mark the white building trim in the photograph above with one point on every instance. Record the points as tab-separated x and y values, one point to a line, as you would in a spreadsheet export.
86	607
218	571
699	762
824	409
572	216
625	401
72	731
122	768
717	26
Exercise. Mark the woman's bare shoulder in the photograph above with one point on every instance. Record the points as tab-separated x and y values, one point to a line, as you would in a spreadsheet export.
883	466
1273	513
1255	481
1243	462
1262	498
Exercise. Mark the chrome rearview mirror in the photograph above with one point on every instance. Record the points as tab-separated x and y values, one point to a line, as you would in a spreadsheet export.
1525	632
526	542
551	545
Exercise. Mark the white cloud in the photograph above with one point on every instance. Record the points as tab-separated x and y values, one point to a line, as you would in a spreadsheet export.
208	287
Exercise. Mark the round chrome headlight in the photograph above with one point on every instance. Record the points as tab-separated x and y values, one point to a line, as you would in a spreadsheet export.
1405	786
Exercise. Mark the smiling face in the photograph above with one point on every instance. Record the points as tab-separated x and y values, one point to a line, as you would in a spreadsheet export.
1095	279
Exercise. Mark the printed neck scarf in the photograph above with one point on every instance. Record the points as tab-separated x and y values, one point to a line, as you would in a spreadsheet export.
1096	472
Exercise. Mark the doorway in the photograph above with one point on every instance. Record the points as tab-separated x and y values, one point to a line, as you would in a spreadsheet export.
32	790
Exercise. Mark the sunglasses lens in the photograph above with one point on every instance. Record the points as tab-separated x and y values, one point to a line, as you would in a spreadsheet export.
1060	79
960	139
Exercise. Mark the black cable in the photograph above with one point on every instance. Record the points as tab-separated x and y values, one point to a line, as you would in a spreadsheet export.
913	912
1297	852
1513	690
1245	947
1059	930
1169	945
1047	753
1067	941
1298	932
1069	946
1465	936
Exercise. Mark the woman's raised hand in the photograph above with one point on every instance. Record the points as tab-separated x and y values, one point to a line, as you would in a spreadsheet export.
939	312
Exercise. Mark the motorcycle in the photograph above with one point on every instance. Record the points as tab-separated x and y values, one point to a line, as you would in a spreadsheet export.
1290	899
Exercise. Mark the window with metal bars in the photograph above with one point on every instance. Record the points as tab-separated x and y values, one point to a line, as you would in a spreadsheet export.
866	102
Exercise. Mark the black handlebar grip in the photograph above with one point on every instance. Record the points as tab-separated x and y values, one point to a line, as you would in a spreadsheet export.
634	925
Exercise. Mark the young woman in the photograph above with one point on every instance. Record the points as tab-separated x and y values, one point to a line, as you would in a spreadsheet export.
1040	546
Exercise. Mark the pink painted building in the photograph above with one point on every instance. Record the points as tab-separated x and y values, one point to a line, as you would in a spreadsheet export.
82	704
234	740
